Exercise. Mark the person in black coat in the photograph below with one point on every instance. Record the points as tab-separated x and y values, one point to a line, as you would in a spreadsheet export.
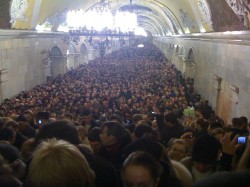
169	127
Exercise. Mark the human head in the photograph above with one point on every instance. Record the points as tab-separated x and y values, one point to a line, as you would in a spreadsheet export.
213	125
94	139
142	131
218	133
140	168
113	133
189	137
178	150
57	163
171	119
237	123
115	117
87	117
22	121
7	134
205	152
63	129
28	114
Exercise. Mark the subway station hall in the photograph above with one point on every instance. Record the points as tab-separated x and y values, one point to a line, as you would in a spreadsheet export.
124	93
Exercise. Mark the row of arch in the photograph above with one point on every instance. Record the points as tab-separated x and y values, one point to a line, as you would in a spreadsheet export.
180	51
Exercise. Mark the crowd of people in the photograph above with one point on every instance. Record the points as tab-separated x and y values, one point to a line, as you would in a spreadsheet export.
127	119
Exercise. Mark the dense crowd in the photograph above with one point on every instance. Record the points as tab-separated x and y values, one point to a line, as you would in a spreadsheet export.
127	119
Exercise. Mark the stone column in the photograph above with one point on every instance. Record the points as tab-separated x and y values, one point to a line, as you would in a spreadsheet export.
58	65
83	58
71	61
189	67
3	83
47	68
76	60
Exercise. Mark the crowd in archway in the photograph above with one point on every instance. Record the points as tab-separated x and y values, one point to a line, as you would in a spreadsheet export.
128	119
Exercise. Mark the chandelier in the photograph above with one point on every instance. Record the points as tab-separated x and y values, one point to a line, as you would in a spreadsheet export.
102	6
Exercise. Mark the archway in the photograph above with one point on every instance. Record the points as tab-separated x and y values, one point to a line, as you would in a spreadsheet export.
57	60
55	51
190	56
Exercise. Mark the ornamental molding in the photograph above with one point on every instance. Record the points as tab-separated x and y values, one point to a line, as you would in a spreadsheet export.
186	19
18	9
238	6
57	19
241	8
173	20
205	12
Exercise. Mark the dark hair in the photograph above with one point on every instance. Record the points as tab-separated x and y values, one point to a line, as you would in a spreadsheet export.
146	145
215	124
115	117
6	133
137	117
63	130
244	119
21	118
145	160
206	149
237	122
94	134
171	117
142	130
189	130
9	152
69	116
86	112
117	130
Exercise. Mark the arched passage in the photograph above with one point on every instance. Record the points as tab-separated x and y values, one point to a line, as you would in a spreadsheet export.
190	56
57	60
55	51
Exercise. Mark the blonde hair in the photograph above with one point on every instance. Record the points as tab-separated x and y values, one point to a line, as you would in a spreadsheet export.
57	163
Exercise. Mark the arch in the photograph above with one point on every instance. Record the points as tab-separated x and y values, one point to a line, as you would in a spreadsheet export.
190	56
83	49
55	51
177	50
71	49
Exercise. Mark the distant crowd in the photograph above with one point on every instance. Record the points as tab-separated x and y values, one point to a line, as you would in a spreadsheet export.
128	119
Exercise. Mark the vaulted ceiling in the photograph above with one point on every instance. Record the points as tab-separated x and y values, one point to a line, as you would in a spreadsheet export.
160	17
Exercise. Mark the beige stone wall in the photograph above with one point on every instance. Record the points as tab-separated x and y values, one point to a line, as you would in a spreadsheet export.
21	58
222	56
24	59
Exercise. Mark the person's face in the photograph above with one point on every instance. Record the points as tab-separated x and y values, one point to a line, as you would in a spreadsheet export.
28	117
219	136
177	152
87	119
189	138
105	138
138	176
95	145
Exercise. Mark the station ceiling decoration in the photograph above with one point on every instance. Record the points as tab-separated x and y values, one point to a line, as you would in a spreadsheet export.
160	17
